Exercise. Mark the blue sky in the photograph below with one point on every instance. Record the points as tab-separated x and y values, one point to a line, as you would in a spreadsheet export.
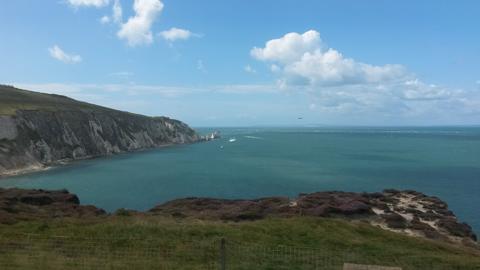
243	63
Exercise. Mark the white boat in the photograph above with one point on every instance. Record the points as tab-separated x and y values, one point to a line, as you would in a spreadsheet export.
232	140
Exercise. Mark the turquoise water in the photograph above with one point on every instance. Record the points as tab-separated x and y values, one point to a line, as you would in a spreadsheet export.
282	161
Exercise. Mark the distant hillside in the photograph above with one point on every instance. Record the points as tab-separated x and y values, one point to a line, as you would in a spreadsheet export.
38	129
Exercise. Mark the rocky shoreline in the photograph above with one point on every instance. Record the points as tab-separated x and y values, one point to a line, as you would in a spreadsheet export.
67	161
407	212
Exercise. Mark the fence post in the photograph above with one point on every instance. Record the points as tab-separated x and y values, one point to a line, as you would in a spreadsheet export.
223	255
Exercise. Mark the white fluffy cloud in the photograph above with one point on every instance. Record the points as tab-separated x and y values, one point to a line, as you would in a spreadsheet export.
88	3
288	48
174	34
137	30
341	85
303	59
57	53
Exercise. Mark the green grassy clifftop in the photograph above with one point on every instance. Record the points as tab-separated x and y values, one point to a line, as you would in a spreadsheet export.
145	242
13	99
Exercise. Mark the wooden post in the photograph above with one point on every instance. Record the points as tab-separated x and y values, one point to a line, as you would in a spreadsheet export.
223	255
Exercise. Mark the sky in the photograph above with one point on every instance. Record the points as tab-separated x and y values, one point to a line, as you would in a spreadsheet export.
252	63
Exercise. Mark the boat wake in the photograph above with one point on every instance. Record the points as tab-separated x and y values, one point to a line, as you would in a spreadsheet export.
254	137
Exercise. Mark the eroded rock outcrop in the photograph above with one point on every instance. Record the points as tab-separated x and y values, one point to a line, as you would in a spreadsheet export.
415	213
407	212
20	205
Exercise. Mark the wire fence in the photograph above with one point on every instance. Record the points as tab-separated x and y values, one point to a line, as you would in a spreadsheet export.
241	256
56	252
34	252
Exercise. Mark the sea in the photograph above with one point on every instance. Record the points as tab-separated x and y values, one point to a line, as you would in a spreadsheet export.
282	161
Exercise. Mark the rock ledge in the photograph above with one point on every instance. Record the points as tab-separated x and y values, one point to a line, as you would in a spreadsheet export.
407	212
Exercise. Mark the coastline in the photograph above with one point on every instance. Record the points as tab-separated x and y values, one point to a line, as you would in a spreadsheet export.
25	170
35	168
41	130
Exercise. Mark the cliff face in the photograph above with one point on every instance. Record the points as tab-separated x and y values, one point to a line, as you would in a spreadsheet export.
38	136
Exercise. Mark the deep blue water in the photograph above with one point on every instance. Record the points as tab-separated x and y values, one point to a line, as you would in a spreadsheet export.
441	161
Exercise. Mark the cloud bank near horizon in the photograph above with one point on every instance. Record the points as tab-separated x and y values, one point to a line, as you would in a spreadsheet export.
338	84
